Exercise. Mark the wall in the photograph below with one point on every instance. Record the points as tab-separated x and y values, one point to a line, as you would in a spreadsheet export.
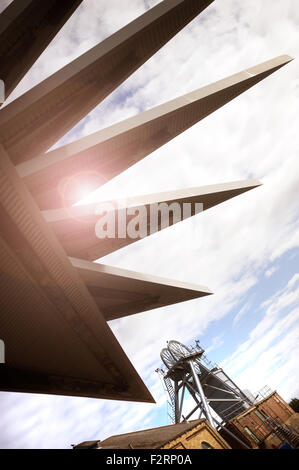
194	438
252	426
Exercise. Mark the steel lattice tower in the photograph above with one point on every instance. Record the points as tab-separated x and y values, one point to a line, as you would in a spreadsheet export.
213	391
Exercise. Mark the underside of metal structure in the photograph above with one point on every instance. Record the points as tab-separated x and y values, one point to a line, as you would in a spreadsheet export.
56	300
189	372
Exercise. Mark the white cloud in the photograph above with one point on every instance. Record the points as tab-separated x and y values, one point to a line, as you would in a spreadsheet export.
241	313
216	342
271	271
268	355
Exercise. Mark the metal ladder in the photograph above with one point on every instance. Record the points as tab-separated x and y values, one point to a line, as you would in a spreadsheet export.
167	385
171	403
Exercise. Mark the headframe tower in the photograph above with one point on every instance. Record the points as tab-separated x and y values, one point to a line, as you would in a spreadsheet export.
213	391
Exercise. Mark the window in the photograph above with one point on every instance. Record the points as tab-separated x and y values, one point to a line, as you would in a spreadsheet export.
206	445
251	434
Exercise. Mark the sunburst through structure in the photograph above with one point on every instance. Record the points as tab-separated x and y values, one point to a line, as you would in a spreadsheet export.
55	301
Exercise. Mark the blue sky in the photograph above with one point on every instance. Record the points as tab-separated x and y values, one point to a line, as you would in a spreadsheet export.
245	250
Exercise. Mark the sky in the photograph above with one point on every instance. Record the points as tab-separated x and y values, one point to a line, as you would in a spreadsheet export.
245	250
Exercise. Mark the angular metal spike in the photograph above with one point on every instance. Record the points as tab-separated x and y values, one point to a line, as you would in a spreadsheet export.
55	179
26	29
76	227
36	120
57	340
119	292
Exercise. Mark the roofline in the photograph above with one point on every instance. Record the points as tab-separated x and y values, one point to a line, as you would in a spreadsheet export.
152	429
252	407
201	421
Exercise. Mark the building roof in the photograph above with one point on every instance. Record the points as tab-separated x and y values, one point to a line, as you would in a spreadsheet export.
87	445
241	415
153	438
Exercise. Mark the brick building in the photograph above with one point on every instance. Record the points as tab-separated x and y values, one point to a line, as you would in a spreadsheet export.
197	434
268	424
